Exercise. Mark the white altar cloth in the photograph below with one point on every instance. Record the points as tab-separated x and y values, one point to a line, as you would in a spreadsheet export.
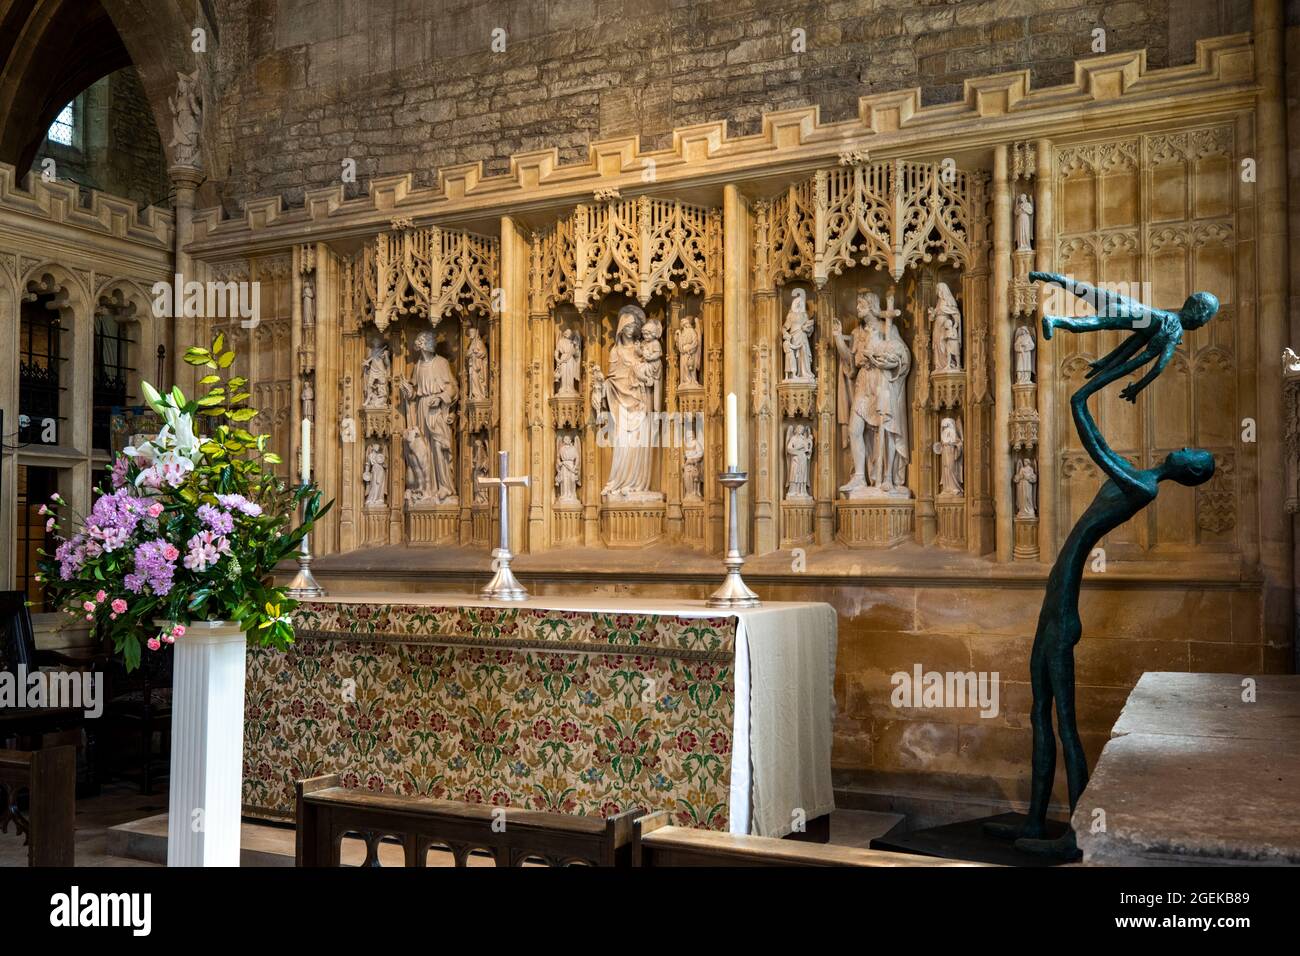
785	700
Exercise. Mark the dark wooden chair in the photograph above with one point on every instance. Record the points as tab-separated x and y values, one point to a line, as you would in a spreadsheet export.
32	728
656	842
49	778
327	812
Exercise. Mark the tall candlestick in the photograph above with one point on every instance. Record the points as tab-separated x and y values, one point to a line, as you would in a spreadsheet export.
306	450
733	444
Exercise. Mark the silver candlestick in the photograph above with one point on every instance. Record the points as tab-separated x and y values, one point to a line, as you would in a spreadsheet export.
733	591
304	583
504	586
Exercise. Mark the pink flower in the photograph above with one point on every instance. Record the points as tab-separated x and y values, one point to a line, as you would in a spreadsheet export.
154	644
113	616
90	617
101	597
89	605
155	510
168	639
43	510
178	631
170	552
49	525
119	606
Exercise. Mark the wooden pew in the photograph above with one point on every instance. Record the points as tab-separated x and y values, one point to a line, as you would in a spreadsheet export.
327	812
50	779
656	842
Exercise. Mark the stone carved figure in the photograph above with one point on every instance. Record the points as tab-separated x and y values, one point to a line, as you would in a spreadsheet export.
429	395
1024	224
626	393
692	466
945	331
308	302
375	373
187	120
376	476
478	458
308	400
1024	346
476	366
949	448
1026	479
652	354
568	470
1125	493
568	363
796	342
798	460
874	364
689	346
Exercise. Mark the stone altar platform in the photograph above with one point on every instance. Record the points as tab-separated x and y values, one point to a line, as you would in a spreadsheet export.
579	705
1195	774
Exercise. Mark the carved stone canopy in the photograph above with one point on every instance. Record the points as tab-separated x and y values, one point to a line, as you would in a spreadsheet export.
890	215
640	247
433	272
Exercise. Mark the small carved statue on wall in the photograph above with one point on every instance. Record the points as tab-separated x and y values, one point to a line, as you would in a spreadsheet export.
568	363
945	331
1024	346
308	400
308	302
798	456
692	463
187	119
949	449
429	396
568	470
873	400
1024	224
476	366
796	341
689	346
375	373
652	354
478	457
376	476
1026	480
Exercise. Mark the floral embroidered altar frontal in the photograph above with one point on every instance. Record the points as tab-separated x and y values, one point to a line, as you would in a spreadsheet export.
556	704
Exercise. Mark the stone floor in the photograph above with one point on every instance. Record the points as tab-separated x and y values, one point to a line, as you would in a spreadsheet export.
121	827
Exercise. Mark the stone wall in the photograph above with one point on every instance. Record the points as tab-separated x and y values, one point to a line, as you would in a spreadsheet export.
119	149
402	87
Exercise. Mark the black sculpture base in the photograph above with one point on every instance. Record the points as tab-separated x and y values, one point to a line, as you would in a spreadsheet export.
970	840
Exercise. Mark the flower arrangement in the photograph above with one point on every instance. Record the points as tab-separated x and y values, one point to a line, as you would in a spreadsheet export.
189	526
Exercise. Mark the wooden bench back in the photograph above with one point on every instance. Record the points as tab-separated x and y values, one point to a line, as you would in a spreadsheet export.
655	842
50	779
327	812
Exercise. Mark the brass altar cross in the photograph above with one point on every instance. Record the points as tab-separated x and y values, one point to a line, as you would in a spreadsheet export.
503	586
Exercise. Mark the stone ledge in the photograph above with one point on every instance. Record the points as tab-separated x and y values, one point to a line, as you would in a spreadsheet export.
1195	777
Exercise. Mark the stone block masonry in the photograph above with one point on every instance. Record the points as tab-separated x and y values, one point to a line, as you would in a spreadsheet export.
402	87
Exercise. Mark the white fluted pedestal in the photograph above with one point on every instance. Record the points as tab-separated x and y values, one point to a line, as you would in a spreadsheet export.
207	746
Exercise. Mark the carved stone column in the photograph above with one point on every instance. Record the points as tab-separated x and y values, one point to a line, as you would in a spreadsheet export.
512	361
736	327
185	182
765	325
592	482
1002	358
1049	453
828	450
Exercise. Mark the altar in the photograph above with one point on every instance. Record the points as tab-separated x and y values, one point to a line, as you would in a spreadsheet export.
580	705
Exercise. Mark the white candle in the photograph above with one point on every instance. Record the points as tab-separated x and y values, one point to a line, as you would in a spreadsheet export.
306	450
733	441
